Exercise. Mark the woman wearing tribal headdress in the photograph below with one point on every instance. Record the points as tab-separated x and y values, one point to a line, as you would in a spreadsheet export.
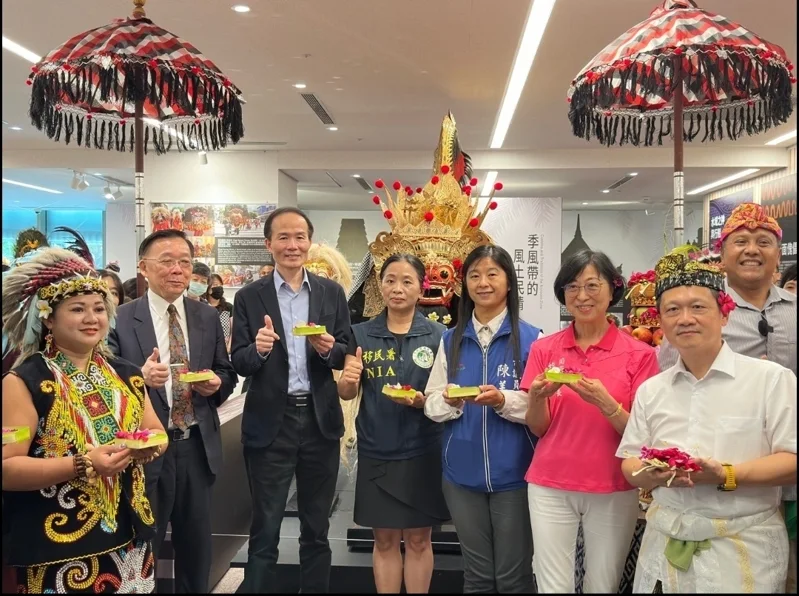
80	520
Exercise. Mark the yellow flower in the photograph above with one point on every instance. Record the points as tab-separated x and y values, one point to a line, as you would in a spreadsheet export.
447	319
433	316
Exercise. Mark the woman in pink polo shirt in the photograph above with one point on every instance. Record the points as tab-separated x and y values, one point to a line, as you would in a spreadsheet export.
574	475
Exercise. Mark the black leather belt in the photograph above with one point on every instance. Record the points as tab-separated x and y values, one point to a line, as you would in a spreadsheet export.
175	434
299	400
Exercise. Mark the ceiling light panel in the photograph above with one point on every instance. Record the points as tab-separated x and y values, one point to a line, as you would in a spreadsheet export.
31	186
537	19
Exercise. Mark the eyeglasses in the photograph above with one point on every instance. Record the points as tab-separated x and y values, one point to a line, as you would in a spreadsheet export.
763	327
169	263
592	288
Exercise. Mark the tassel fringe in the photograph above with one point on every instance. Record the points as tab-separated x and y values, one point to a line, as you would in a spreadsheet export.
60	101
767	85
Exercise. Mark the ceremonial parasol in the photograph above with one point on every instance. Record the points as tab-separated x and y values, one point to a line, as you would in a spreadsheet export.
131	83
730	81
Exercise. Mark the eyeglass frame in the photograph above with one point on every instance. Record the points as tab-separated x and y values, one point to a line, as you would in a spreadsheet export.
170	263
578	287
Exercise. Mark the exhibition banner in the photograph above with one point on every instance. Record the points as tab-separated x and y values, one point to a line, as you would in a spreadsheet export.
529	229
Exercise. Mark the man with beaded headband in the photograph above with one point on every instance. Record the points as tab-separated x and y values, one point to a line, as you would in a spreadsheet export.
80	520
717	529
439	223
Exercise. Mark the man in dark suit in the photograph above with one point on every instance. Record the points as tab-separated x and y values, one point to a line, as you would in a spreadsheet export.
164	333
292	418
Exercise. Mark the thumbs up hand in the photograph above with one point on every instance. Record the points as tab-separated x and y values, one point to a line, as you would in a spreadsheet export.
353	368
155	373
266	337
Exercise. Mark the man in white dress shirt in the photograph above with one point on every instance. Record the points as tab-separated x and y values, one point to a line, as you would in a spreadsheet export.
720	529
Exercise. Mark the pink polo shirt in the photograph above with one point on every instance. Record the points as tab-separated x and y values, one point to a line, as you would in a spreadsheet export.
578	451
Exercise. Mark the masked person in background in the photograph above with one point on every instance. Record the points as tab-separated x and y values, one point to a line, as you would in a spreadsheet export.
198	286
216	298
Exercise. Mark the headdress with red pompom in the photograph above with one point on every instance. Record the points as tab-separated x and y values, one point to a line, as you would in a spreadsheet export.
439	222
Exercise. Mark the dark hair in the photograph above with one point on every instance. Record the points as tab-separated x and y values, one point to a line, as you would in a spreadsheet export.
117	282
222	302
6	267
576	264
402	257
129	285
113	267
466	306
282	211
200	268
161	235
788	275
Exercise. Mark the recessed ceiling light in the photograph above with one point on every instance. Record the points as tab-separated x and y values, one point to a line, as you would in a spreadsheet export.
606	191
537	20
723	181
17	49
14	128
356	175
97	174
31	186
633	173
781	139
300	85
242	8
332	128
585	203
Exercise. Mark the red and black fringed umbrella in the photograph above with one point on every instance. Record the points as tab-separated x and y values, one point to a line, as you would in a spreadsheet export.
682	64
130	84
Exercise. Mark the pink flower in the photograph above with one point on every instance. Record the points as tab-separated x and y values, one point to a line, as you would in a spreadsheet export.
675	458
726	303
426	283
618	282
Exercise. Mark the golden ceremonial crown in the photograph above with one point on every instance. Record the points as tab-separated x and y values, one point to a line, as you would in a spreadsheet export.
439	223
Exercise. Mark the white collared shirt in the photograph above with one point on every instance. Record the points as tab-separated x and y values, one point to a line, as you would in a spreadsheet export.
158	307
744	408
438	410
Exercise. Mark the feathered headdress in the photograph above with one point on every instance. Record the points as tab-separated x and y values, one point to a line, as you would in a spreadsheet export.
31	290
28	241
77	244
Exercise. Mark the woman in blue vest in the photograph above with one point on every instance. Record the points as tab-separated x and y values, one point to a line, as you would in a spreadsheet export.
397	492
486	444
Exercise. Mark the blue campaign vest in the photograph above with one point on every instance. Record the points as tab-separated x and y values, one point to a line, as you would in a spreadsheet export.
481	450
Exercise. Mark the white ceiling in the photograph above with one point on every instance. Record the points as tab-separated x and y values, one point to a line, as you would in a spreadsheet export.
387	72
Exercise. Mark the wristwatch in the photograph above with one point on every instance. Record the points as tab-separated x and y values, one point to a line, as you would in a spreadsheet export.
729	482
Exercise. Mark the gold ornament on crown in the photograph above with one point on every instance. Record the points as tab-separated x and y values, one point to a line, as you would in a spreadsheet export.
439	223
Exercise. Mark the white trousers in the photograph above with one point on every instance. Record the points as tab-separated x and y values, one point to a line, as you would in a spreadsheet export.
608	526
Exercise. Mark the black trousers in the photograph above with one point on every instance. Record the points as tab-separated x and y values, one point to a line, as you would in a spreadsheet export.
299	449
182	495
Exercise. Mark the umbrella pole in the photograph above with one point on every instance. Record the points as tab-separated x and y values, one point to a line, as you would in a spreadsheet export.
679	174
139	187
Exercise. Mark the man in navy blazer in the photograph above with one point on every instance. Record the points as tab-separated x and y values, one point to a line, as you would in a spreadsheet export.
292	420
146	333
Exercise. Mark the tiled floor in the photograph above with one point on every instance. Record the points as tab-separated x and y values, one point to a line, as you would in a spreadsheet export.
230	582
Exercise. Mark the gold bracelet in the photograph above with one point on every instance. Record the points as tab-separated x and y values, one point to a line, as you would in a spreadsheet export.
616	412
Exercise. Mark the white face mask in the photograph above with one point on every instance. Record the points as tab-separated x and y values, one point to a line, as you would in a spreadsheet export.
197	289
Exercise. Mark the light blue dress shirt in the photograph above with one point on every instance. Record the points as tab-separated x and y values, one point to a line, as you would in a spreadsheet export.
294	309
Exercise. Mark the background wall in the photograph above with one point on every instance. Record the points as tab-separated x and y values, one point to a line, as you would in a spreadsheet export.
120	238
